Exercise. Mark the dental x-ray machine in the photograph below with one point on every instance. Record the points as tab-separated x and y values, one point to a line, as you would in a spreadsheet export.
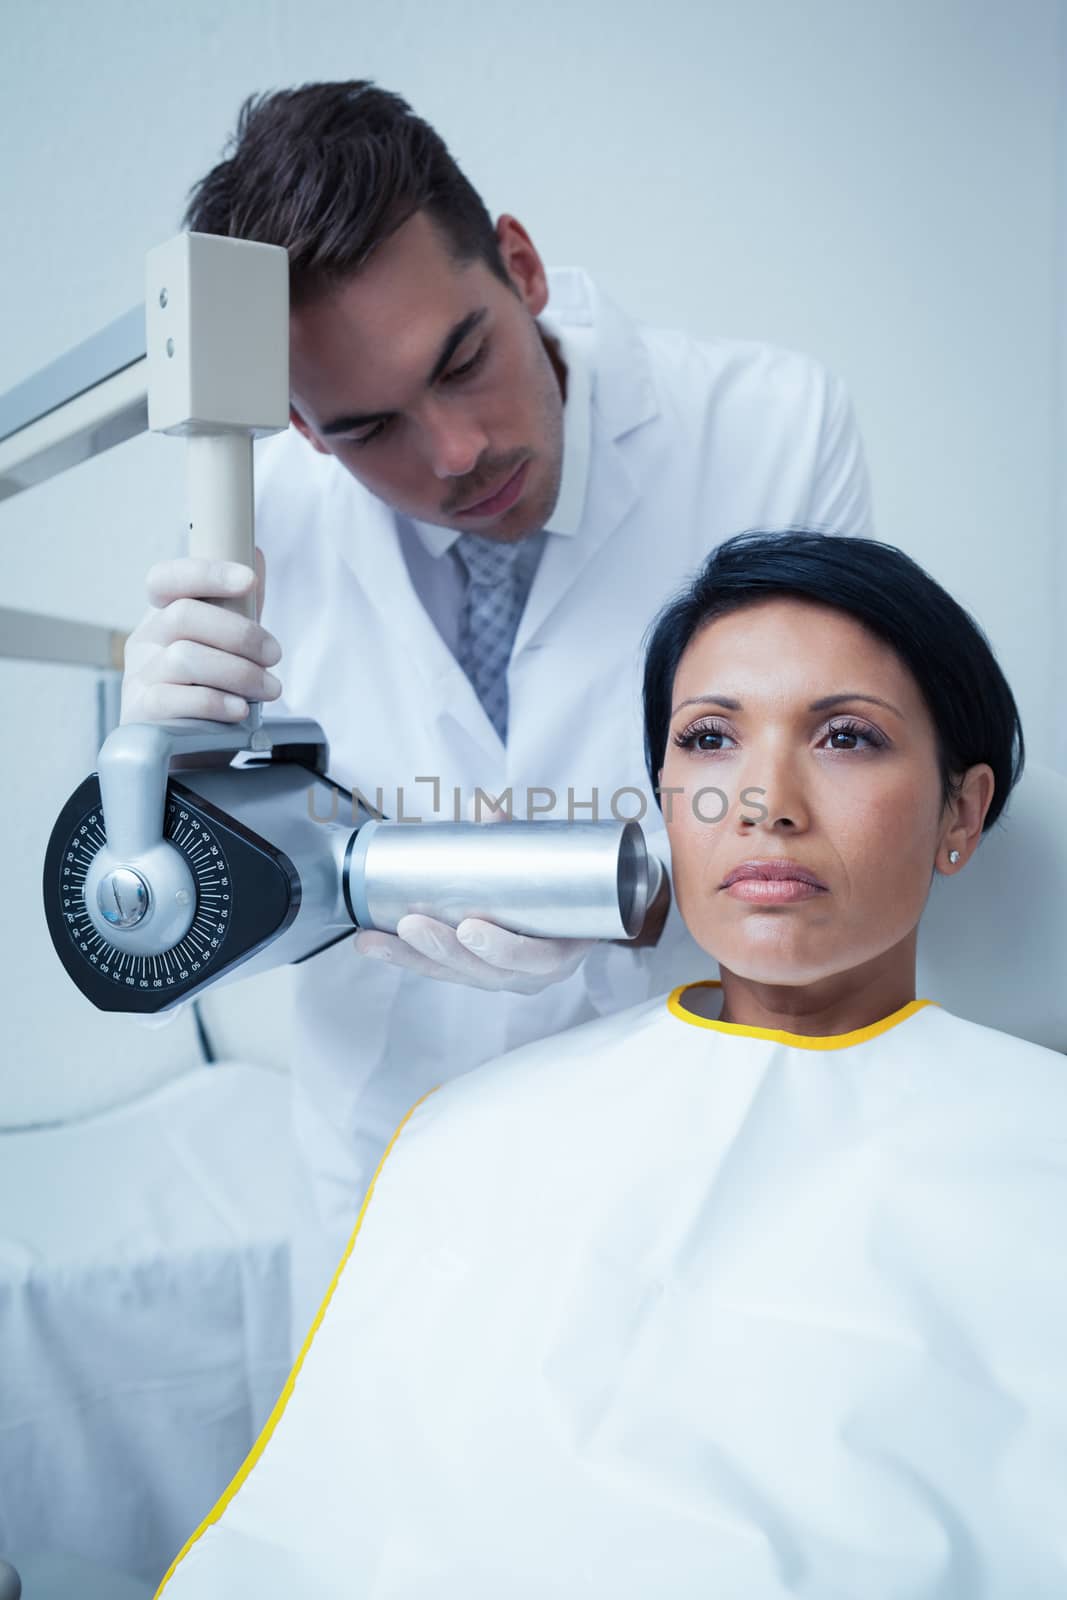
172	868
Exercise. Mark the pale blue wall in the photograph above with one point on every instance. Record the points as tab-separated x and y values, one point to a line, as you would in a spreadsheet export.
877	183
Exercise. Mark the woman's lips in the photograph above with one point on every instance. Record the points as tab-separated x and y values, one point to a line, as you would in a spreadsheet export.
502	499
772	891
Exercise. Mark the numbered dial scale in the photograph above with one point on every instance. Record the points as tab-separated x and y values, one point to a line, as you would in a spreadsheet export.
246	893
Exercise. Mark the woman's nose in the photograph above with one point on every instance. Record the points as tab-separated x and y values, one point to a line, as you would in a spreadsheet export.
775	795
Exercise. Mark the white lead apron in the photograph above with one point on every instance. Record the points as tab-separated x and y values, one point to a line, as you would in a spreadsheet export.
671	1307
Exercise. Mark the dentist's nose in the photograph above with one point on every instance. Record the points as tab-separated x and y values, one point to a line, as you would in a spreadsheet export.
456	443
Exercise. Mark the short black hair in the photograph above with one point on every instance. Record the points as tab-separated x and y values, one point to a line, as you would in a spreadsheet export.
330	170
973	710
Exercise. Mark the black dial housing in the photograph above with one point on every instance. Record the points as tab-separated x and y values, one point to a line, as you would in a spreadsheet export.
247	893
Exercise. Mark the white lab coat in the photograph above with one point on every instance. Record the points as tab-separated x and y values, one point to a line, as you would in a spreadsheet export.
675	1307
690	443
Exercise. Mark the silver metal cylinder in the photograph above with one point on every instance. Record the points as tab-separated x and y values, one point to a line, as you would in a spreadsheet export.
563	880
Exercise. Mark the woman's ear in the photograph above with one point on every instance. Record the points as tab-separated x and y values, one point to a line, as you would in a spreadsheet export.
969	809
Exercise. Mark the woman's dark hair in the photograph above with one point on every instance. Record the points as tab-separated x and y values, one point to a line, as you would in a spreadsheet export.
330	170
973	710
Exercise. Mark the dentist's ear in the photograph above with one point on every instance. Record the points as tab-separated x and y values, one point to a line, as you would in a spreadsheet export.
522	263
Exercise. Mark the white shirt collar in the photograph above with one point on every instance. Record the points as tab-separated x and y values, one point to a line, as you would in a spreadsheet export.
566	519
576	347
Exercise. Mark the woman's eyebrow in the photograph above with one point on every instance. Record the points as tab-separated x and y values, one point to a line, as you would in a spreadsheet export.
728	703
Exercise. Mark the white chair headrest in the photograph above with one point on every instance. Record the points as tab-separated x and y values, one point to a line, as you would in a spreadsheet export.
993	938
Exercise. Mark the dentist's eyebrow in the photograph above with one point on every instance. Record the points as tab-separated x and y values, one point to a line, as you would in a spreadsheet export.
823	704
451	344
472	320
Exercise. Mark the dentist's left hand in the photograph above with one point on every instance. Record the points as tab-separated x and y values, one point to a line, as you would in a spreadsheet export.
477	953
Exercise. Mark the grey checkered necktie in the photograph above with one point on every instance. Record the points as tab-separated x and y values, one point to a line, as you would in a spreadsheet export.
491	612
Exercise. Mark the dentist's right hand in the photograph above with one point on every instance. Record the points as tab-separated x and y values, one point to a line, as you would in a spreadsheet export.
191	658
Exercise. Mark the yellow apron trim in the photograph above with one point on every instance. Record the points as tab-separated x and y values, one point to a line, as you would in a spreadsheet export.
800	1041
283	1399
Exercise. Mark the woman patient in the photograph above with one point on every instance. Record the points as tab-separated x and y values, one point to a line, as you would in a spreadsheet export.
755	1290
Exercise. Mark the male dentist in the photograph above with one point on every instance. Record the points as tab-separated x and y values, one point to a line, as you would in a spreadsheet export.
492	481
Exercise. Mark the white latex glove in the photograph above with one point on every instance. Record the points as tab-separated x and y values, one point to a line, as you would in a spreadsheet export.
478	954
188	658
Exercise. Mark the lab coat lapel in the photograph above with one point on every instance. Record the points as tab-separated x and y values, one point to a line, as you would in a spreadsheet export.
367	538
611	493
623	399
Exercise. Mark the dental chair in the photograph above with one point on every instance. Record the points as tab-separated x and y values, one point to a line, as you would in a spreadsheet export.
144	1323
993	939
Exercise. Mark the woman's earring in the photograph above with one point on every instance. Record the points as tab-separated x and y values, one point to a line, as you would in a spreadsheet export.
953	857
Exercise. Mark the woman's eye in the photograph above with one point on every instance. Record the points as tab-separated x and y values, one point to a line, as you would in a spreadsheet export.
706	740
843	738
853	731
